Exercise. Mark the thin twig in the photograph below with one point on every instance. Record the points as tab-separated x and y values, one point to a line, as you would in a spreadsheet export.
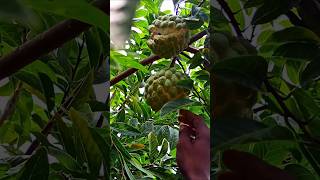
192	50
261	108
173	61
287	112
185	55
150	60
230	14
62	109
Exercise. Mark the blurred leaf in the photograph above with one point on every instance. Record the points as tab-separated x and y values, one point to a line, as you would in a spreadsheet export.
37	167
97	106
73	9
6	89
175	105
12	9
65	159
232	131
164	148
196	61
48	90
187	84
294	34
310	108
298	50
270	10
253	3
247	70
93	153
311	72
93	47
193	23
153	145
103	139
300	172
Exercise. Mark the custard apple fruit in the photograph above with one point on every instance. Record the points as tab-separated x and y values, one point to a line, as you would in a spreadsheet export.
162	87
169	36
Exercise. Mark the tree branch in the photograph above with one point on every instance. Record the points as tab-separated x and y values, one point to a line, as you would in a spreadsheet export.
45	42
232	19
150	60
287	112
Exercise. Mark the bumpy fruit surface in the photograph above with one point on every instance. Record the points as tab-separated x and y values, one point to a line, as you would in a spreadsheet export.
169	35
162	87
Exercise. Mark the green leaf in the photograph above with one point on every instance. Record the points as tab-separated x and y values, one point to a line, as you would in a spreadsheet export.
7	89
153	145
37	167
300	172
311	72
94	47
193	23
164	148
298	50
175	105
11	10
253	3
66	137
73	9
102	137
30	79
120	147
65	159
48	90
235	5
270	10
196	61
307	104
294	34
128	171
232	131
130	63
97	106
169	133
136	164
249	71
187	84
93	153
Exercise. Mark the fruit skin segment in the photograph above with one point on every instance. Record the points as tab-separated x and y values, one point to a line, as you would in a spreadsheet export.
169	36
230	97
162	87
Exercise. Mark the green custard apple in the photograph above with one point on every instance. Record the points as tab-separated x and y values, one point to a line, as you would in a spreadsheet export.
162	87
169	36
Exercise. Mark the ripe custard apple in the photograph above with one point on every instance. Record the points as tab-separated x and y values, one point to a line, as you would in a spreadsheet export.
169	35
162	87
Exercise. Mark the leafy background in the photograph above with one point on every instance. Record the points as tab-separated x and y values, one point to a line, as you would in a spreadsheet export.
52	108
144	141
284	131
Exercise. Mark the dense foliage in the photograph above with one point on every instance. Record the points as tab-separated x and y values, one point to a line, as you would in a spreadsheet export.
50	108
284	129
144	140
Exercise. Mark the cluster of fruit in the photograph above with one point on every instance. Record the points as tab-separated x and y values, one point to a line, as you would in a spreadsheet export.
169	35
162	87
